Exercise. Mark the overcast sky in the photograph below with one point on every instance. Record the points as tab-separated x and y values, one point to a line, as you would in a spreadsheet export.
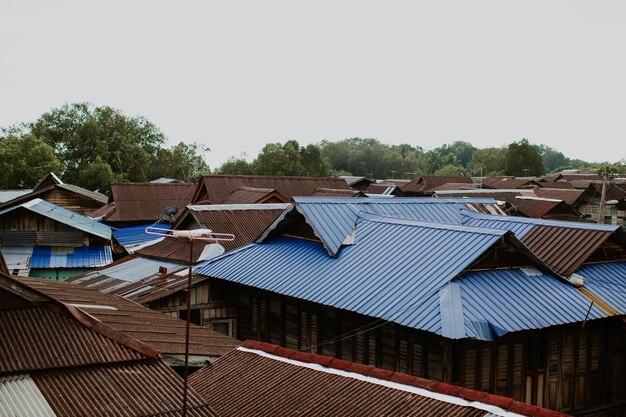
235	75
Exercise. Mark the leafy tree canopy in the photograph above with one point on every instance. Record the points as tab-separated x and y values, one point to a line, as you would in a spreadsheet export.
24	160
523	159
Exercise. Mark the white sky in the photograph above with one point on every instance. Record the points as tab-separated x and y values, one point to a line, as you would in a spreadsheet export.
235	75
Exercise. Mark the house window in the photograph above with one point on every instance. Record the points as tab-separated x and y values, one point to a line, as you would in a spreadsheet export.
223	326
196	316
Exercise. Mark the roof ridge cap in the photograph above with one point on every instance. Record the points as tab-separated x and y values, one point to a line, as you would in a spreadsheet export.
507	404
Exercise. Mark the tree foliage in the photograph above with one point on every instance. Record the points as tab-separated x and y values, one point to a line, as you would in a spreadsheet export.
95	143
523	159
24	160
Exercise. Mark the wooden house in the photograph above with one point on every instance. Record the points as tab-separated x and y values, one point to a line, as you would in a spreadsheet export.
525	308
54	191
38	238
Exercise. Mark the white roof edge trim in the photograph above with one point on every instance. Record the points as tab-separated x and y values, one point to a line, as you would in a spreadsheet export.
389	384
229	207
93	306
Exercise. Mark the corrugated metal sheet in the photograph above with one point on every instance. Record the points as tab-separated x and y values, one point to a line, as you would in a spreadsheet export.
17	258
503	301
377	277
251	195
146	388
563	245
273	381
608	281
247	222
39	338
217	188
570	196
8	195
163	333
538	208
331	192
20	397
62	257
144	202
137	234
333	219
124	273
64	216
429	182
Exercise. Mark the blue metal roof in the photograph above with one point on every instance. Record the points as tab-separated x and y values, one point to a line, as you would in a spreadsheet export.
333	219
65	216
522	225
393	272
607	281
62	257
502	301
137	234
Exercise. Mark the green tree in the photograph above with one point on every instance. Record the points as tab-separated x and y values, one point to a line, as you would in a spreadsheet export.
236	166
523	159
450	170
313	164
291	159
488	161
80	132
24	160
97	175
182	162
552	159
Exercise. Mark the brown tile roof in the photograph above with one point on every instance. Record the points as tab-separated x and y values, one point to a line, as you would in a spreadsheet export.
145	388
217	188
163	333
145	202
333	192
269	380
251	195
429	182
247	222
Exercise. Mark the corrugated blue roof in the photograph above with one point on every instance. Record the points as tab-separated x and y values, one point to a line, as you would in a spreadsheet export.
61	257
137	234
65	216
502	301
607	281
333	219
393	272
522	225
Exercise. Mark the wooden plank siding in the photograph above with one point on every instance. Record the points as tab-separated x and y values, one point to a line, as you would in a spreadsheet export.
72	201
567	368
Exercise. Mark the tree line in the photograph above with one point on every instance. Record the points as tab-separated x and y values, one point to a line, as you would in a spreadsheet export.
93	146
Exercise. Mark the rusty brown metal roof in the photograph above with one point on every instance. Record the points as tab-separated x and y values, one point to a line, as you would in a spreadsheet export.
145	388
217	188
560	185
333	192
541	208
570	196
144	202
37	337
251	195
163	333
510	183
429	182
548	243
3	265
174	250
247	222
268	380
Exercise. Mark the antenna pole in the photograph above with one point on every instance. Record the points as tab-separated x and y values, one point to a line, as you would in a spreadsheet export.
602	197
186	371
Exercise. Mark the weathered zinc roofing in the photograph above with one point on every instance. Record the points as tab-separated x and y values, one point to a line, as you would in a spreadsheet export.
63	257
124	272
333	219
64	216
563	245
20	397
377	277
269	380
8	195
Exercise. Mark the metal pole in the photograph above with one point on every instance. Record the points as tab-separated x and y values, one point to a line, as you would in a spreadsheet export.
186	371
602	198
